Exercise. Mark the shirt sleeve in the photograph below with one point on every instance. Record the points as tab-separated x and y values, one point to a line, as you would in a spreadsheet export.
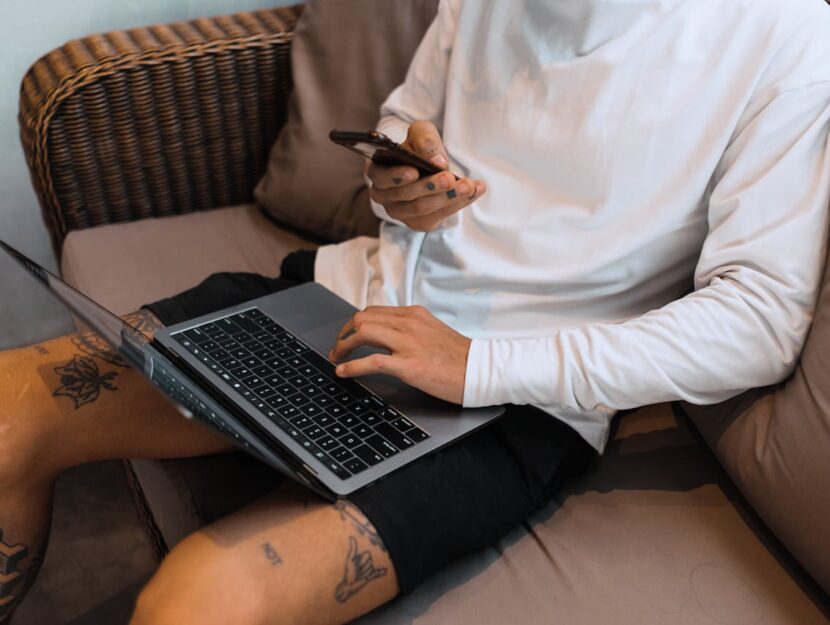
756	284
421	96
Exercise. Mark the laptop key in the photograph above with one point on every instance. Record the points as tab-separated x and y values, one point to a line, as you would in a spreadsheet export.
382	446
392	435
402	424
321	456
340	453
315	432
324	401
313	411
196	335
370	418
244	322
417	435
355	465
336	430
327	442
263	353
350	440
368	455
321	418
300	421
362	431
348	420
338	470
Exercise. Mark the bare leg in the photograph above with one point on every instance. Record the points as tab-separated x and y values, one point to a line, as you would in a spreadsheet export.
66	402
289	558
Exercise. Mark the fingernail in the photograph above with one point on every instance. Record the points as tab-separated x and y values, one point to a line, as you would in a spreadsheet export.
464	188
439	159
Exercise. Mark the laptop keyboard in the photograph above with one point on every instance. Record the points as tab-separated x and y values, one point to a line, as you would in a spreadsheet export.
340	422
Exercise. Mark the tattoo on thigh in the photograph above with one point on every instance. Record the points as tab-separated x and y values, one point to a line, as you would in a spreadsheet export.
350	512
11	578
82	381
359	571
91	344
271	554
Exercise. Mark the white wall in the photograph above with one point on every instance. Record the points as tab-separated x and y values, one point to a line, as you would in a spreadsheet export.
27	31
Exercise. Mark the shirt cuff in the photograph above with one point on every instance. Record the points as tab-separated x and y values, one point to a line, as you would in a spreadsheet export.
505	371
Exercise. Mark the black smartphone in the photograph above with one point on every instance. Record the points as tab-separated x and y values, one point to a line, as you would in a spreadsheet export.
380	149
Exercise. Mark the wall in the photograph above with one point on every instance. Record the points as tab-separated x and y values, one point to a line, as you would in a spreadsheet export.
27	31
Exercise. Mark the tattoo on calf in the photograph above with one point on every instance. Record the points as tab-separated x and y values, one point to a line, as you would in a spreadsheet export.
359	571
82	381
10	577
350	512
271	554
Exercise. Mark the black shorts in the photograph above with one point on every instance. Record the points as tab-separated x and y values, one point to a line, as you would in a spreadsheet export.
449	503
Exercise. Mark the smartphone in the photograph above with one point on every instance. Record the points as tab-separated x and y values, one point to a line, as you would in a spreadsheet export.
380	149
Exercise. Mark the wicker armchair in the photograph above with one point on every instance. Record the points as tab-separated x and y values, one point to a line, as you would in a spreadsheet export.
156	121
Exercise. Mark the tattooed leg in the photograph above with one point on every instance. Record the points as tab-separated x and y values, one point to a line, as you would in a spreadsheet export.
65	402
278	561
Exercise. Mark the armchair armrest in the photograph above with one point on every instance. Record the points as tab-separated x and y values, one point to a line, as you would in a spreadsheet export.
155	121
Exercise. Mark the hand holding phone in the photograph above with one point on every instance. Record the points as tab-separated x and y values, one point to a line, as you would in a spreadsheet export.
410	180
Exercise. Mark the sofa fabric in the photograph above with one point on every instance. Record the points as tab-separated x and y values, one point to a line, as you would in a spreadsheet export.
650	535
136	264
775	444
350	55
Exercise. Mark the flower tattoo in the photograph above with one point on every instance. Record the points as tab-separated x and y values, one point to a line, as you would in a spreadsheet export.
82	381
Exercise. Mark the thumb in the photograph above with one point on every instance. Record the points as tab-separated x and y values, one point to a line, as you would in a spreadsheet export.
425	140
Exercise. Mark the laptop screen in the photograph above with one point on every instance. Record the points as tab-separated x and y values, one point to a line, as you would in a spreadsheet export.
122	336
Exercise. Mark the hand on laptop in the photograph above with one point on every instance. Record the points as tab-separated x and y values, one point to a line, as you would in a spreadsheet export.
422	204
424	352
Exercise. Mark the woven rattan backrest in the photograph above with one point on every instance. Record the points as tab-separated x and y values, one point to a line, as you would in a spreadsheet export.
156	121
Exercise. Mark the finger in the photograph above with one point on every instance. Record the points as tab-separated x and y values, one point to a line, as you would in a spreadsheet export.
372	334
450	201
376	314
388	177
431	185
375	363
425	140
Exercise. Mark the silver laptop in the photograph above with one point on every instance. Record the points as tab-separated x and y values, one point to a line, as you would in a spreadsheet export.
257	373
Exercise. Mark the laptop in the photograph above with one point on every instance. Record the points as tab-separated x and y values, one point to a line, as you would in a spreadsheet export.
256	372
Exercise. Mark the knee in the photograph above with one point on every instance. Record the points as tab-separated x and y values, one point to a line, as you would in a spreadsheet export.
22	459
199	583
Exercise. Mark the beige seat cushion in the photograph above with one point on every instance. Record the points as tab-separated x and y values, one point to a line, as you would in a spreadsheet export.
649	537
646	538
126	265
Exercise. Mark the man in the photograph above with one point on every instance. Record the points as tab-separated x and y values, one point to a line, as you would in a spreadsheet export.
632	151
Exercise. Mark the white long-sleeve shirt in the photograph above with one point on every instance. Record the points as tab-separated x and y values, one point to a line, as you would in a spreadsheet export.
655	224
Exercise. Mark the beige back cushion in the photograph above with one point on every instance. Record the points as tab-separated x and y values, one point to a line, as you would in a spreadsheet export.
775	444
346	58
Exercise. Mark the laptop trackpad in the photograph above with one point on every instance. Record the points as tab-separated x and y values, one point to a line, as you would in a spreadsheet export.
324	338
388	387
